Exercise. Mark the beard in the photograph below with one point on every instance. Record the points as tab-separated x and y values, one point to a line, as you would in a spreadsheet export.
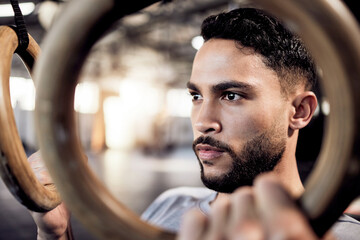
260	154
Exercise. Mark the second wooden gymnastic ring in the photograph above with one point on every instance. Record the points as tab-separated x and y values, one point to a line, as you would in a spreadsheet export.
14	167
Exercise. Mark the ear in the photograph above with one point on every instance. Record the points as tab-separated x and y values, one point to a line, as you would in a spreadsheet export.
304	106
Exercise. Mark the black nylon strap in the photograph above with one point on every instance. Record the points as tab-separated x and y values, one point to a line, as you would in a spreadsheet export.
21	30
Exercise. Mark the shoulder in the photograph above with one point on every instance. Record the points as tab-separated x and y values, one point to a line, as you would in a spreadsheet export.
167	209
180	197
346	228
184	192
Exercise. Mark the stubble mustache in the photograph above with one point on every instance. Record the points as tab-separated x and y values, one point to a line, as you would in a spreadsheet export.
212	142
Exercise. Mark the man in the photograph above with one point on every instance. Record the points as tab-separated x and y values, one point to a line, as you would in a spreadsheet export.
250	85
251	90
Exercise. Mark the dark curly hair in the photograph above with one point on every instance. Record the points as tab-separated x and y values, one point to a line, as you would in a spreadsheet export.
281	50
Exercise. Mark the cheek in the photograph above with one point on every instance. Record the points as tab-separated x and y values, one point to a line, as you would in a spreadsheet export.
244	126
192	117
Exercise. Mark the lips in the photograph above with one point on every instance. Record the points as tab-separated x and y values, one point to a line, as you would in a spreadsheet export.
207	152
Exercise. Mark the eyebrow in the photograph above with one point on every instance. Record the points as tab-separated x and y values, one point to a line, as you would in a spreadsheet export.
231	84
192	86
223	86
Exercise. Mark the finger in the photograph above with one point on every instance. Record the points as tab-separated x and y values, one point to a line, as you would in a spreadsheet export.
243	220
39	168
218	219
242	206
54	222
193	226
329	236
280	216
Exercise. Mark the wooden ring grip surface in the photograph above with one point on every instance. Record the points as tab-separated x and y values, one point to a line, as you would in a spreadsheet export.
14	167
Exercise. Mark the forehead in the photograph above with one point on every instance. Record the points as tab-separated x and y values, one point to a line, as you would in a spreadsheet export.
221	60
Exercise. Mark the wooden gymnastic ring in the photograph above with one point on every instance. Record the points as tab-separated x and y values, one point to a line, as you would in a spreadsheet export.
69	42
14	167
332	35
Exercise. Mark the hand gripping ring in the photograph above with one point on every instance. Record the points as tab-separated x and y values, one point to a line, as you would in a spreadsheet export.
14	167
327	28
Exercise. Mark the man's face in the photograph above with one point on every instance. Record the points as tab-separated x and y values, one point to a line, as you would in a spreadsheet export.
239	116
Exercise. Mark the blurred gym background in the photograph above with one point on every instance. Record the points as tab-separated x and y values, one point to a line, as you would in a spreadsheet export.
132	105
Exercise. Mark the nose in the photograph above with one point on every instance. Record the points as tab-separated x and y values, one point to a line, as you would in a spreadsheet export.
206	119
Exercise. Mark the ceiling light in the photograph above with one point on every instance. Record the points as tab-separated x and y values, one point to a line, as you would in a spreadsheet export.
325	107
6	10
197	42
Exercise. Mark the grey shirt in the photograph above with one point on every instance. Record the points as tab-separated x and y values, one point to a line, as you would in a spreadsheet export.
167	211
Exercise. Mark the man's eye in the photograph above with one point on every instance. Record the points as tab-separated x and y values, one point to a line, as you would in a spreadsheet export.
195	96
231	96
